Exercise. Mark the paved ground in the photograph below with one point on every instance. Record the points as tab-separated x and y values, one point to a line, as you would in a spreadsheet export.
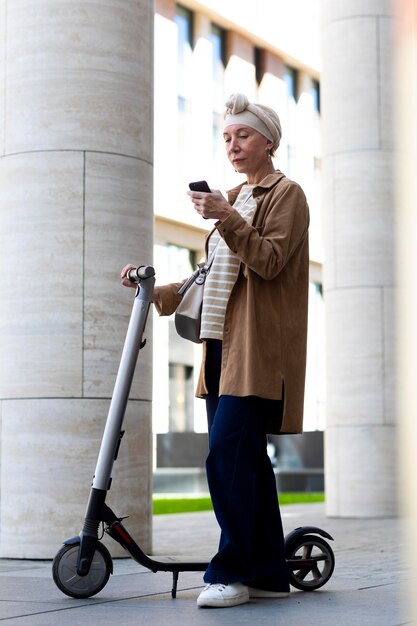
368	588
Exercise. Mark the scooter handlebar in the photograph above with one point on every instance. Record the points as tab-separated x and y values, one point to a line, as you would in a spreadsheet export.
136	274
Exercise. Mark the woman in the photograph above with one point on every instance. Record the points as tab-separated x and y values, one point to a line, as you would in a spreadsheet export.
254	326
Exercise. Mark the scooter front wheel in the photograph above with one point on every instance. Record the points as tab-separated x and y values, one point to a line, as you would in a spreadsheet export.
64	571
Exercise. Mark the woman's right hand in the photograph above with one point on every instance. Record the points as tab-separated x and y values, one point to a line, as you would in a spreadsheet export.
128	283
125	281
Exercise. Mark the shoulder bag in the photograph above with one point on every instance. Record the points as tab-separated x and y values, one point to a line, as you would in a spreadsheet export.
188	313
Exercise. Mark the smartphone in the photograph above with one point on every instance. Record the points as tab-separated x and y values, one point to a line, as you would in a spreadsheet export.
200	185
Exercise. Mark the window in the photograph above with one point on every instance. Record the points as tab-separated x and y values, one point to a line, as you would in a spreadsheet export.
174	358
184	22
259	64
316	201
315	95
291	82
217	38
315	92
181	397
314	405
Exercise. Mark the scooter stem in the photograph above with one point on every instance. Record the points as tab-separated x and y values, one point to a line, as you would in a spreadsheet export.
132	345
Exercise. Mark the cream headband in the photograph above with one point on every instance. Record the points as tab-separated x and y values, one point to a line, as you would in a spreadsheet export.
248	119
258	116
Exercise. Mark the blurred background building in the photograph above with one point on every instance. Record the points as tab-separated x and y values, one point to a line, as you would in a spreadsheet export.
204	51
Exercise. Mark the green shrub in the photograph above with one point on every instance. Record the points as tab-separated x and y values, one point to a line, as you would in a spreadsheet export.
162	506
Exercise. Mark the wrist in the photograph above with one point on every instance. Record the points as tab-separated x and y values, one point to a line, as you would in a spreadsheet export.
228	210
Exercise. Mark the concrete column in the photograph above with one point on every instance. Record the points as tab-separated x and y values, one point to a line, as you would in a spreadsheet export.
76	100
357	87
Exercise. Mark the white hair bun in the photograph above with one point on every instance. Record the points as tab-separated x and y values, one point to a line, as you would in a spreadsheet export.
236	103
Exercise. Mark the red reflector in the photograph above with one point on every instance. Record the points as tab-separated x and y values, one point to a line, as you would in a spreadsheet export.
122	533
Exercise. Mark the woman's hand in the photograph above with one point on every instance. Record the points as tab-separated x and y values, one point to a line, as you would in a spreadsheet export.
128	283
125	281
211	205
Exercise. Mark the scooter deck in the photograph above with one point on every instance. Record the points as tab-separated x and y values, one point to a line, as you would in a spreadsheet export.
195	562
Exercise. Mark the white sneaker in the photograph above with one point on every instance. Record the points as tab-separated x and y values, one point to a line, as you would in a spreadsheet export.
219	595
263	593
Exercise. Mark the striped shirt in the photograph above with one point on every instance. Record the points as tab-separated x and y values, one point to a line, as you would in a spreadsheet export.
223	273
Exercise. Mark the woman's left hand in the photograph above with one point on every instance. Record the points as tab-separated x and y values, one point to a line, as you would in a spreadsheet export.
211	205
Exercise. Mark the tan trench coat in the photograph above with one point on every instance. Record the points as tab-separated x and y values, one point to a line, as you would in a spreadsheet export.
265	330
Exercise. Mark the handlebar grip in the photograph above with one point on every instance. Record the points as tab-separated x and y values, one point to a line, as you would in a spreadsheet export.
136	274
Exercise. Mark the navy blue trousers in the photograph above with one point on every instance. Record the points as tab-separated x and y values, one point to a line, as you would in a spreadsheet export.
242	487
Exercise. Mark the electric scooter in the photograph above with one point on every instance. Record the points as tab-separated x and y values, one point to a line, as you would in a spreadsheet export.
82	567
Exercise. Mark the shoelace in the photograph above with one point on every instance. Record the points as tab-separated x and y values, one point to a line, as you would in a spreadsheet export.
218	586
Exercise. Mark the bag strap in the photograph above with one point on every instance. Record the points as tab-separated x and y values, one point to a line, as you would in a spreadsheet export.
210	260
201	271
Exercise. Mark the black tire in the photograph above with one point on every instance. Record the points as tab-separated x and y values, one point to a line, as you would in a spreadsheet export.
64	571
309	547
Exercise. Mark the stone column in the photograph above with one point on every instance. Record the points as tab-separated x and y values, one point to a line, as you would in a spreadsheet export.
357	88
76	101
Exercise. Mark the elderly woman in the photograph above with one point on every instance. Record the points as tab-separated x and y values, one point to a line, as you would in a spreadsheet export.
254	327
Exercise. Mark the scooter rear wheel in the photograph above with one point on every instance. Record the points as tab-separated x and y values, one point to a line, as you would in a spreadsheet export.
64	571
312	549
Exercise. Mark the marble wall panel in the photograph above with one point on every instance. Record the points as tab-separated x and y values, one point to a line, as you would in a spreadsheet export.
390	355
386	27
332	11
350	67
363	219
328	208
41	265
49	451
118	230
361	471
355	357
79	76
